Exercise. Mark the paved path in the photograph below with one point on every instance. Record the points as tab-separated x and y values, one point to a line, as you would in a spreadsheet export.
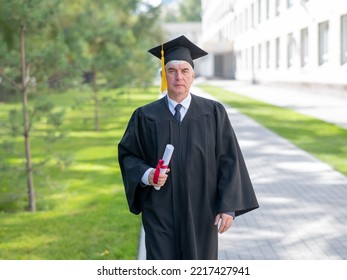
302	214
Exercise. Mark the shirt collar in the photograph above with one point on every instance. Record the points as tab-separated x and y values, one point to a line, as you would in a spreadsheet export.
185	102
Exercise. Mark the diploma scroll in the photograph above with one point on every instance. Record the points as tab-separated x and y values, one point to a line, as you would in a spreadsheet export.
163	163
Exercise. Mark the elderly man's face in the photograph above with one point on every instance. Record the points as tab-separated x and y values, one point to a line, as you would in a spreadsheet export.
180	76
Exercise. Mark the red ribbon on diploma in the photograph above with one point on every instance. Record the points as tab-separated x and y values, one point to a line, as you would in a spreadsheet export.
159	166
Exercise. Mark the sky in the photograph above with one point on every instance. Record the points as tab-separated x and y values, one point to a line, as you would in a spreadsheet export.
153	2
157	2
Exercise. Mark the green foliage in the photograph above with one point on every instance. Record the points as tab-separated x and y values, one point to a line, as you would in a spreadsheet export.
13	123
69	37
46	52
190	10
82	209
324	140
113	37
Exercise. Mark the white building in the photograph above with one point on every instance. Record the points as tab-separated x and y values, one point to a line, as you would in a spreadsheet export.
302	41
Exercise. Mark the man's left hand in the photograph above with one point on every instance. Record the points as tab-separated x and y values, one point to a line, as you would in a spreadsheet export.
226	221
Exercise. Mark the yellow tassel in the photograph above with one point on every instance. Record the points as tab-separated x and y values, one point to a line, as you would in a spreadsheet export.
163	73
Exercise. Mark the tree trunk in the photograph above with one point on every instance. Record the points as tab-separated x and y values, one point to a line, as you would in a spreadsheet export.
29	171
96	101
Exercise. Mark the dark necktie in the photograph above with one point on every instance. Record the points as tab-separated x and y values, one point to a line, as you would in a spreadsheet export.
178	113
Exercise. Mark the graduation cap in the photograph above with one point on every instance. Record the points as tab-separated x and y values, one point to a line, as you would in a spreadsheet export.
179	48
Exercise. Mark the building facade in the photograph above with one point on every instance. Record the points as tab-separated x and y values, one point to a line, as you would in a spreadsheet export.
301	41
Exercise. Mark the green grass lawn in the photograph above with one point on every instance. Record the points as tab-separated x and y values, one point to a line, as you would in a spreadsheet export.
327	142
81	208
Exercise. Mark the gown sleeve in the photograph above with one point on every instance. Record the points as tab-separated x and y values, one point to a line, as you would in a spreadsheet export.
235	189
131	157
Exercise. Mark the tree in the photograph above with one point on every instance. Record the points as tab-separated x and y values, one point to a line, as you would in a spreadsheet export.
115	36
190	10
182	11
19	18
48	44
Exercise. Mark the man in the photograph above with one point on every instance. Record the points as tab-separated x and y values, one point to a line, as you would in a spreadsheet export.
206	184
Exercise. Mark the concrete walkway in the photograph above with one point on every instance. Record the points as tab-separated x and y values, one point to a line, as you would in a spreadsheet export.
302	214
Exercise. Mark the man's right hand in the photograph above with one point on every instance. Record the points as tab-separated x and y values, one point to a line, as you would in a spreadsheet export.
161	179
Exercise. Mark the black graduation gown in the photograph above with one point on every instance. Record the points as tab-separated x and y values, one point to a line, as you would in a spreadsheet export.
208	176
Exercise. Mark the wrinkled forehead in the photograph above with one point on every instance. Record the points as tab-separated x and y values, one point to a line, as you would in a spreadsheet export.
178	63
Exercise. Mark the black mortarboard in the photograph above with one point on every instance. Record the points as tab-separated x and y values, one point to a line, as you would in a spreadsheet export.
179	48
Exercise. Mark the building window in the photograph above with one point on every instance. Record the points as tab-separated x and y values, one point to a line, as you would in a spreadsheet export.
237	29
268	54
323	35
252	58
259	11
290	50
246	19
278	52
246	59
252	15
240	59
344	39
234	27
259	55
267	9
278	7
304	47
289	3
